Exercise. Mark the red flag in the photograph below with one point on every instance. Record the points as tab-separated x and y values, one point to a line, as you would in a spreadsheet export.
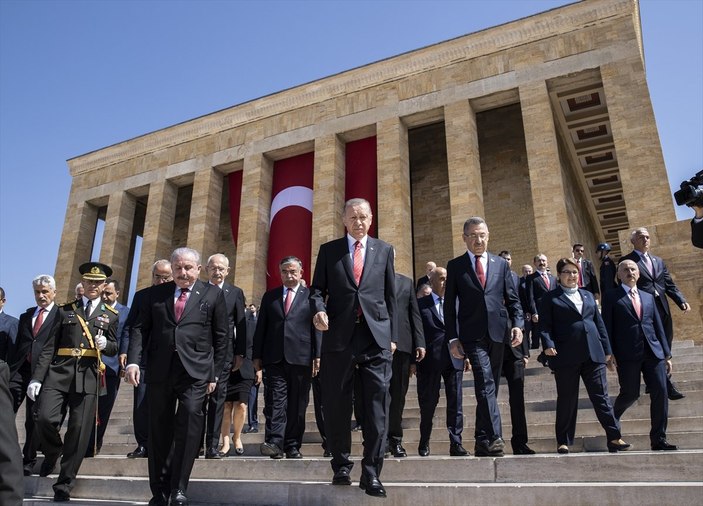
361	174
290	231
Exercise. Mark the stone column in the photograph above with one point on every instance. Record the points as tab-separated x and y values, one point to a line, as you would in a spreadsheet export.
463	167
76	245
117	235
640	161
158	228
252	244
546	184
328	193
205	208
394	220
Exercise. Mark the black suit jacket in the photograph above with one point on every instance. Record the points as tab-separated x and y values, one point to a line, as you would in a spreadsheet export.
660	285
472	312
334	290
437	357
8	336
588	275
66	373
28	344
410	336
236	322
627	332
291	337
576	336
536	289
199	338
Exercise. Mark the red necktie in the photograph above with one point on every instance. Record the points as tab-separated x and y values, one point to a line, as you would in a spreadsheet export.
636	303
479	272
181	303
546	279
38	322
358	263
288	301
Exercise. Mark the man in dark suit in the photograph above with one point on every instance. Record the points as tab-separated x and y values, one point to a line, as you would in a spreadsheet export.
656	280
8	330
36	324
530	339
160	273
68	375
425	280
587	273
480	300
182	328
287	347
515	359
112	371
353	299
640	349
409	349
438	365
538	285
217	270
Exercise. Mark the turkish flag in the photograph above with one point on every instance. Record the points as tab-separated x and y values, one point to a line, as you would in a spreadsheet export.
361	175
290	226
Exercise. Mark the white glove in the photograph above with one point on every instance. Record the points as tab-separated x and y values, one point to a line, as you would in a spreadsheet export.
101	342
33	389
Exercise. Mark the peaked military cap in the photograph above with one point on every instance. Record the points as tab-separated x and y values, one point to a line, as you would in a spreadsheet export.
95	271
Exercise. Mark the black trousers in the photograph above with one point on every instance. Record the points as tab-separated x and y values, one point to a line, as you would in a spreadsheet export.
514	371
373	365
428	386
286	394
105	405
18	387
319	410
216	409
483	355
174	440
140	410
52	407
11	479
400	381
253	407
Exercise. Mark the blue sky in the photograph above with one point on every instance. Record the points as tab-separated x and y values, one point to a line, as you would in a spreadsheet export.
76	76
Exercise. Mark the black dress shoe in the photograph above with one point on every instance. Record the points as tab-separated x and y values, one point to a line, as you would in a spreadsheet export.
664	445
61	496
397	450
293	453
28	469
341	477
423	449
178	498
674	394
563	449
456	450
47	467
522	449
543	359
138	453
271	450
356	428
618	446
250	430
158	500
493	449
372	486
326	454
212	453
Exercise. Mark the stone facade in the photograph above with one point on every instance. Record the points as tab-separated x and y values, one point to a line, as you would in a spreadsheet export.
543	125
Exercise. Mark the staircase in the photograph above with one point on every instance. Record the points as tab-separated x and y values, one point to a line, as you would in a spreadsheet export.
588	475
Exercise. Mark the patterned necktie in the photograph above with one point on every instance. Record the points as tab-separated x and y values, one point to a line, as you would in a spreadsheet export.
358	263
546	279
441	309
88	308
288	301
648	263
636	303
479	272
181	303
38	321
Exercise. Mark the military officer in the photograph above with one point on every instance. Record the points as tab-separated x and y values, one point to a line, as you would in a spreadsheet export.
68	376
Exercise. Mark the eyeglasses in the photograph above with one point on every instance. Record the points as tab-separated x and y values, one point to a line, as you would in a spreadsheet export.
162	278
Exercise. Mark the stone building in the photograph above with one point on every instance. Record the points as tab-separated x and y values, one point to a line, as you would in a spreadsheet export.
544	126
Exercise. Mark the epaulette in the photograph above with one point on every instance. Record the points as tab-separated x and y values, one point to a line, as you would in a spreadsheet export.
67	305
110	308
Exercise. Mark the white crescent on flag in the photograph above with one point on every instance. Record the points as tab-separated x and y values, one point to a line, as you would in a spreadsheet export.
300	196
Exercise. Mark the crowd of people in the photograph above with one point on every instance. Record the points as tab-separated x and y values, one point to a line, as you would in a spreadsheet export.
195	355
